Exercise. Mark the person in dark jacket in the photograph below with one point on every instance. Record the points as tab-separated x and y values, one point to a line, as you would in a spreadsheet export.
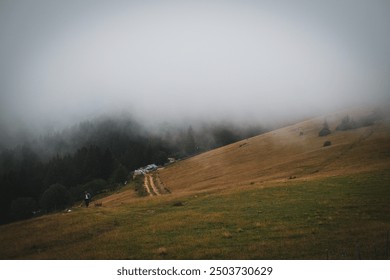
87	198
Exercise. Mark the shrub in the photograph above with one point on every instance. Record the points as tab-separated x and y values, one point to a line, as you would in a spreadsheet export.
327	143
95	186
56	197
139	186
324	132
178	203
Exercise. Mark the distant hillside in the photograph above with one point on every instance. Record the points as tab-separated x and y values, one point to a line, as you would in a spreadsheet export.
295	152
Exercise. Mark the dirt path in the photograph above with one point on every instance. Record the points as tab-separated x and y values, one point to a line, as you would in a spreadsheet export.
163	189
146	185
153	185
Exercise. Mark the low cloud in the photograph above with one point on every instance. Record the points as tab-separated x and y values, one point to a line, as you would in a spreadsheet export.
67	61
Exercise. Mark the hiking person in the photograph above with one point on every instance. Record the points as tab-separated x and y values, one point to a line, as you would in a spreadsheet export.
87	198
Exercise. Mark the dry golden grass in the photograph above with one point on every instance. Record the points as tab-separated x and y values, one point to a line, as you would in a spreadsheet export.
278	155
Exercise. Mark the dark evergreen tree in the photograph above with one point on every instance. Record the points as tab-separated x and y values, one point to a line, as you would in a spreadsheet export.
325	130
346	123
22	208
189	142
224	136
107	165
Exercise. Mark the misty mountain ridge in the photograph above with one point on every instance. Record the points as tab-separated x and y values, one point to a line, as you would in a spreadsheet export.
104	131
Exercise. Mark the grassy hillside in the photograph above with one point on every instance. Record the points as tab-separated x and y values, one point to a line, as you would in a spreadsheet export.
295	151
280	195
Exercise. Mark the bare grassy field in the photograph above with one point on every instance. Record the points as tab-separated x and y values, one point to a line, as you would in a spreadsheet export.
281	195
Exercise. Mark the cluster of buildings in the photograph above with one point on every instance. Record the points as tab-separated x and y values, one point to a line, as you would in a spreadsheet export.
146	169
150	167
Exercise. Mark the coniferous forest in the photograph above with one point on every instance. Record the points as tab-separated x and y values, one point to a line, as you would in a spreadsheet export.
51	172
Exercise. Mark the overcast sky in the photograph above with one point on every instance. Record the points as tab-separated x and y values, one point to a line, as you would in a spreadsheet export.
65	61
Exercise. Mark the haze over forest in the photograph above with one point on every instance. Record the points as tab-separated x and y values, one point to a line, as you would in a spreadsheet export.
64	62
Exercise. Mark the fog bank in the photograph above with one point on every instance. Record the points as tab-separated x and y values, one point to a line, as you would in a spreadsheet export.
63	62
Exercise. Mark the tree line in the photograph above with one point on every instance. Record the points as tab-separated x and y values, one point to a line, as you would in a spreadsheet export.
50	173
